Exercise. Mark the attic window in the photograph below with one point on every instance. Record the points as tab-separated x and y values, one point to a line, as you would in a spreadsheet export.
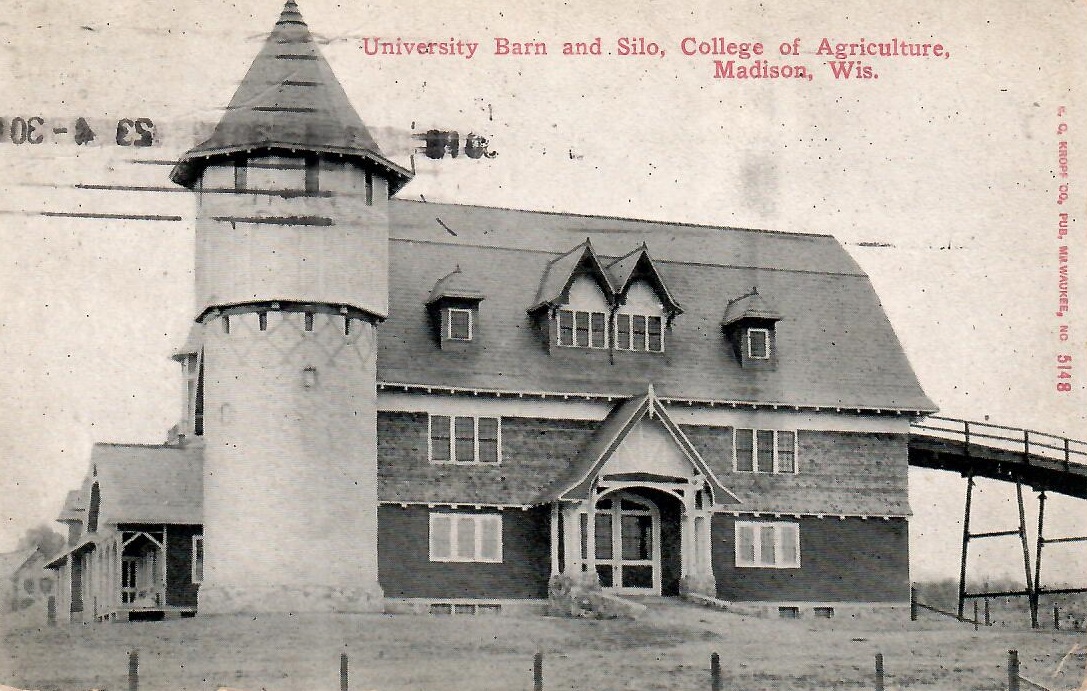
639	332
582	329
750	324
758	344
459	324
454	310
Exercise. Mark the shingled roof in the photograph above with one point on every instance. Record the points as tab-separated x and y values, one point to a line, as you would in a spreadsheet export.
289	100
836	346
750	306
143	484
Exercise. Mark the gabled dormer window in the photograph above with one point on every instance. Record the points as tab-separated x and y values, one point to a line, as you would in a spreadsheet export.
750	325
583	321
623	305
640	319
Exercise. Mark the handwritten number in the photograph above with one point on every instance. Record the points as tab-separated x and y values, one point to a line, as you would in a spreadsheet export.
32	134
140	132
124	132
17	131
83	132
146	129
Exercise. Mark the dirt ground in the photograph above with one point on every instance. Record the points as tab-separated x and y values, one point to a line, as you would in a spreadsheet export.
668	648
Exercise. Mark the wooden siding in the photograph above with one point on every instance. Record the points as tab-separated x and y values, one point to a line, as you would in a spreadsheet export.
842	560
853	473
535	452
180	590
405	569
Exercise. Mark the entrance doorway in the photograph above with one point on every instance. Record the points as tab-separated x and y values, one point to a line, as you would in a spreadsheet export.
628	544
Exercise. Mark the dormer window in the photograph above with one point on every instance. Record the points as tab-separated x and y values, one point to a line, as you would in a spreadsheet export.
639	320
758	344
750	324
454	310
622	306
458	324
582	329
639	332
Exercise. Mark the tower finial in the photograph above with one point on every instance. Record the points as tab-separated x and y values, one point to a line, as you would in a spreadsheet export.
290	14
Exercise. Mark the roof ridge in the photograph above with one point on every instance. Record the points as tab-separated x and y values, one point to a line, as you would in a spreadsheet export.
677	262
787	233
139	445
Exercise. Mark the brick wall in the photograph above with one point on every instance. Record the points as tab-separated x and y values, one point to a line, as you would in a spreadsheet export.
837	473
535	452
405	569
850	560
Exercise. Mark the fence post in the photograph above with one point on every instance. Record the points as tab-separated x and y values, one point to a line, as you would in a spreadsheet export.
715	672
343	672
1057	617
913	603
879	671
1013	670
134	670
537	671
988	620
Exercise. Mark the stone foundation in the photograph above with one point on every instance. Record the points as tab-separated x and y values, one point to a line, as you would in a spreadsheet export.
698	584
874	611
293	599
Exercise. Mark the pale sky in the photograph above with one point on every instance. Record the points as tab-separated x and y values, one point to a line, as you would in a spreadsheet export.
939	177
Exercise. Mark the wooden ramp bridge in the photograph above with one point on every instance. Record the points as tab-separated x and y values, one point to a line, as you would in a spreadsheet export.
1044	462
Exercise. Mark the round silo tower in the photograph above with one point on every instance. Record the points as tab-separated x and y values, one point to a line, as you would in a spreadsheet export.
292	233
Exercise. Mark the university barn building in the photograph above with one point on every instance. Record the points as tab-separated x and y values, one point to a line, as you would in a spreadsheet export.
395	405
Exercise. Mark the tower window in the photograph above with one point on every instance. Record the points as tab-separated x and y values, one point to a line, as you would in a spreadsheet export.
262	320
309	321
313	172
197	558
369	188
226	323
239	174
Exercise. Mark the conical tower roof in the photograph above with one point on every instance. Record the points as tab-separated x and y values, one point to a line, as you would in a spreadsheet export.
291	101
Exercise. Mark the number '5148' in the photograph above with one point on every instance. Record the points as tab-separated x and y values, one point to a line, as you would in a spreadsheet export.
1064	371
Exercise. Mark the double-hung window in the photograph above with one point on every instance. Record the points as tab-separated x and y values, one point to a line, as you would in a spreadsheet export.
639	332
767	545
459	327
465	439
758	344
466	537
582	329
764	451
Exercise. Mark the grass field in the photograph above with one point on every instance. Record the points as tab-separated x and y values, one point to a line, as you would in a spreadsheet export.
668	648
